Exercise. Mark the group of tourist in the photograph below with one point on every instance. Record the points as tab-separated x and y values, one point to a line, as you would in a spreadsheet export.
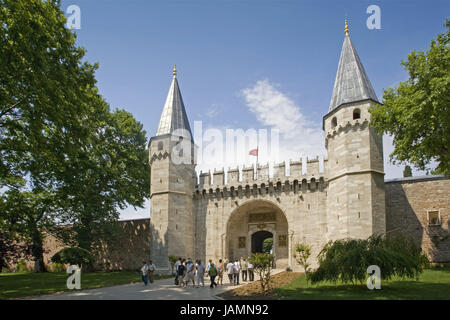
187	271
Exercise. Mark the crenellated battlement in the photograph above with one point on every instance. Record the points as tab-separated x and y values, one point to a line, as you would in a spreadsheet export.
346	126
291	174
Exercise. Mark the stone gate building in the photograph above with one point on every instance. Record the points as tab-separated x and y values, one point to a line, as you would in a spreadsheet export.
213	216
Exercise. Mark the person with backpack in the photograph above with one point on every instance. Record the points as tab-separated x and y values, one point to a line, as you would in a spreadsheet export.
212	274
151	271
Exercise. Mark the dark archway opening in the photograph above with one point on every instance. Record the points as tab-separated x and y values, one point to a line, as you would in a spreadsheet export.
258	240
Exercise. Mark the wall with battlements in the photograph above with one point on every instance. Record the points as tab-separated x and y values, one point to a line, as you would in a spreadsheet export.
296	190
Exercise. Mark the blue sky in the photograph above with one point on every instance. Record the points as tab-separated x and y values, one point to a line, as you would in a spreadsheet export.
225	49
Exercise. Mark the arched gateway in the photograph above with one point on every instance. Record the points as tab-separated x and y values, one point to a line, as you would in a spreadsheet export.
253	222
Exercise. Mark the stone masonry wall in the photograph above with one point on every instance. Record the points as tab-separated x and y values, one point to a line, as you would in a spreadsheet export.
132	246
407	204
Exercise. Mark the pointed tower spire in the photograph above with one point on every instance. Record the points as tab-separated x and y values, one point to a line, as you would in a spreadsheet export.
174	115
352	83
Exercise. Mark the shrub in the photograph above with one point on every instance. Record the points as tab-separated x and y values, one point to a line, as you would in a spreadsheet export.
78	256
57	267
302	254
262	263
22	266
347	260
267	245
173	260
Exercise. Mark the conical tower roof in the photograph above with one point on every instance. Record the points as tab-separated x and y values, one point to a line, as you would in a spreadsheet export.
352	83
174	118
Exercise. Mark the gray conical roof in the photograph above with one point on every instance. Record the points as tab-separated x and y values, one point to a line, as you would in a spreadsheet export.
174	115
352	83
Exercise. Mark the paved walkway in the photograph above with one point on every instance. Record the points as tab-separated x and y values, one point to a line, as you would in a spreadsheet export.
158	290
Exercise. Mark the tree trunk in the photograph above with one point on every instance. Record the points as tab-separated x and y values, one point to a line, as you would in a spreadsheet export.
37	251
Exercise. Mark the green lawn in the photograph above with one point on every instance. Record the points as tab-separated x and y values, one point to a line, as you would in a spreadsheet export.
16	285
432	284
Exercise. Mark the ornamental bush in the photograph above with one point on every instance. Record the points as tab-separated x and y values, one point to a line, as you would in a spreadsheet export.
262	263
346	260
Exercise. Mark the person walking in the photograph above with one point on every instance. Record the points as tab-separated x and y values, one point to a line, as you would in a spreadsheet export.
190	272
200	273
144	272
236	272
181	270
177	265
230	271
212	274
251	274
151	271
244	266
220	270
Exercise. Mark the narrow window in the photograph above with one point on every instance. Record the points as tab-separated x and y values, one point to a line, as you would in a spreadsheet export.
160	145
334	122
356	114
434	218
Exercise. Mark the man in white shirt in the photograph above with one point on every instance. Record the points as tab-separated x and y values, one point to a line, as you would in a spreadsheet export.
190	272
236	271
200	273
151	271
144	272
230	268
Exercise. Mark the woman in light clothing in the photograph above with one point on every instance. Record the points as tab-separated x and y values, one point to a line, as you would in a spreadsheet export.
220	269
190	273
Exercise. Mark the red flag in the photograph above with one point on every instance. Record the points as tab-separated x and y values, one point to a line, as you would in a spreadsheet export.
253	152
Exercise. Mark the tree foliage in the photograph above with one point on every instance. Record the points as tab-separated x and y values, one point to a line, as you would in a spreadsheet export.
64	156
347	260
417	112
407	172
262	263
302	254
72	256
172	261
267	245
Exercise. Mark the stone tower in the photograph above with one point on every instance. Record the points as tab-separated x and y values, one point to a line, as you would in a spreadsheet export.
172	181
356	195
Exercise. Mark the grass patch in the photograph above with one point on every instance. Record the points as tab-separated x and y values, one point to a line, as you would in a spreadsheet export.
432	284
16	285
253	289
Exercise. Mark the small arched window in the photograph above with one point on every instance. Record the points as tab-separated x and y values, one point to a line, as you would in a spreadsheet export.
334	122
356	114
160	146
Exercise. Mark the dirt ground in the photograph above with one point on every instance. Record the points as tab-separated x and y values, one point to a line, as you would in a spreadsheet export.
252	291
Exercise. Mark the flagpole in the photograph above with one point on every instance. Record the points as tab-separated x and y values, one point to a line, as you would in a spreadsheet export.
257	155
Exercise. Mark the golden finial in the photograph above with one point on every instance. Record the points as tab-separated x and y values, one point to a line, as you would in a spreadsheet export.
174	70
346	27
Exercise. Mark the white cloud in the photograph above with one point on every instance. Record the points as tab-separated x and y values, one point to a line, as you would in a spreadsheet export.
130	213
213	111
273	108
